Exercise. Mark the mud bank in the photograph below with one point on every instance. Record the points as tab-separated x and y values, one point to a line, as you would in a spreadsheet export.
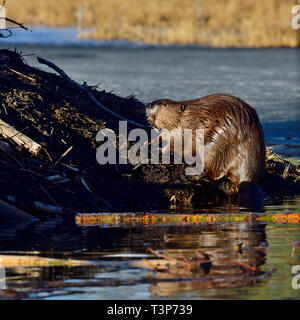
64	177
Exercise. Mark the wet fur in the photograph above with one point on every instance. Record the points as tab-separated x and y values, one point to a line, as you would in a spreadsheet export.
233	136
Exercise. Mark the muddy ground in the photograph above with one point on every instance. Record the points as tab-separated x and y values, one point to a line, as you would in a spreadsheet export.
58	115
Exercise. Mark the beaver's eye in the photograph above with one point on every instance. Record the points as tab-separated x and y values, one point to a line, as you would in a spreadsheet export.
182	107
165	104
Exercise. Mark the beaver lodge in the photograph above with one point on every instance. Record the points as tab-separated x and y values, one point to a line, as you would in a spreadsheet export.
48	127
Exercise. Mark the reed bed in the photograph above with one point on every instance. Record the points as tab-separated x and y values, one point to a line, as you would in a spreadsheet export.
227	23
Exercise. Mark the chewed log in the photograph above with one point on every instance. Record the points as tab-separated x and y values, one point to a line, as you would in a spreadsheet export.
19	138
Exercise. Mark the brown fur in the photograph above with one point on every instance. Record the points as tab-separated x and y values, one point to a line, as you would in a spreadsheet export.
233	136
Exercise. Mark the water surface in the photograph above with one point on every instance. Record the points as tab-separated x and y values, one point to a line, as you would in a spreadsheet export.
121	264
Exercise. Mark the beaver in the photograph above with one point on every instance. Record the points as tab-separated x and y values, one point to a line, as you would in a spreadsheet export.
234	146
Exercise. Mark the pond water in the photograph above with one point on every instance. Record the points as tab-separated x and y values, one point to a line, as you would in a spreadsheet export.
249	255
123	268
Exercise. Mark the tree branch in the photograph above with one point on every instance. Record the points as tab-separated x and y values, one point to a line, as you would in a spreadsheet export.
87	91
14	22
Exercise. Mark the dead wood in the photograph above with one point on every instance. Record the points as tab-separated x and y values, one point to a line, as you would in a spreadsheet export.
10	133
88	92
9	212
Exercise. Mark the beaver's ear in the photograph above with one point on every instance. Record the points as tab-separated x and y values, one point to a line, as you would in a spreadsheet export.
182	107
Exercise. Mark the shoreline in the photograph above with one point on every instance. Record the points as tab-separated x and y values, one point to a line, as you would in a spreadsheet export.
66	37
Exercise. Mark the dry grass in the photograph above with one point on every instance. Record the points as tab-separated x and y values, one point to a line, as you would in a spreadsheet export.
248	23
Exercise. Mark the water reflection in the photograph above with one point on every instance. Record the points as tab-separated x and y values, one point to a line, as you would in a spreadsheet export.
229	247
198	259
217	242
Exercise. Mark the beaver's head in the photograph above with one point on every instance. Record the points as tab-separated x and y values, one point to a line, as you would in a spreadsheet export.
164	114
